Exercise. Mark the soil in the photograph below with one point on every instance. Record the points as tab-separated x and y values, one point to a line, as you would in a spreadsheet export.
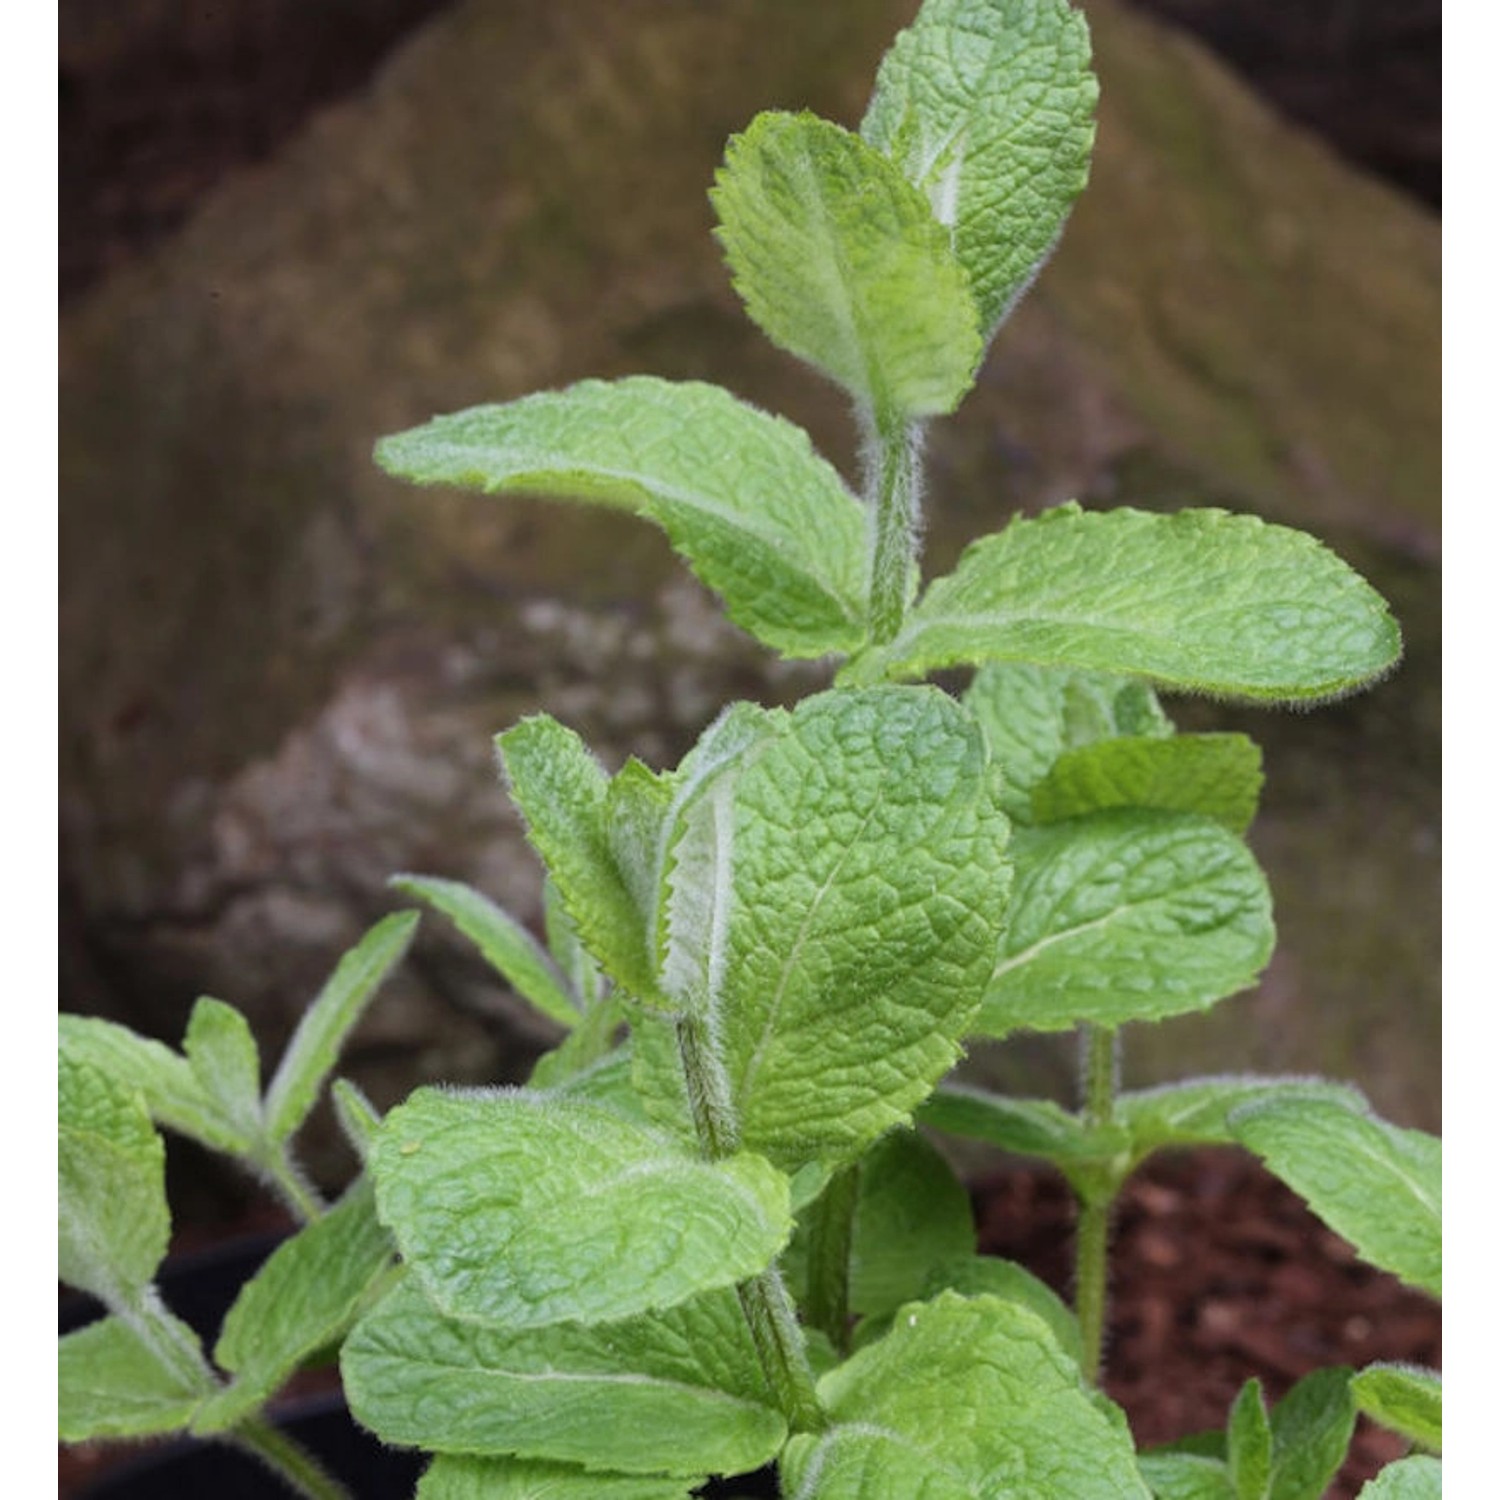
1219	1274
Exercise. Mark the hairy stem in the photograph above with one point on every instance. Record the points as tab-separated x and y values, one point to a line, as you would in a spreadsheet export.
829	1241
707	1089
288	1459
893	481
1100	1063
286	1179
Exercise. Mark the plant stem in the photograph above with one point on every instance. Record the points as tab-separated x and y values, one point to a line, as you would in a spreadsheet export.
707	1089
893	481
287	1459
285	1177
829	1240
783	1355
1100	1059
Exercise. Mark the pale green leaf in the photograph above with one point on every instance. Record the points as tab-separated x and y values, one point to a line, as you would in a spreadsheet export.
757	515
987	105
1416	1478
1031	715
990	1276
112	1218
164	1079
678	1392
1404	1398
841	261
573	960
1377	1185
1201	601
563	793
304	1298
521	1208
1250	1443
1025	1127
507	946
314	1048
225	1060
111	1384
1126	915
357	1117
963	1397
1311	1428
591	1040
451	1477
1187	1476
1215	775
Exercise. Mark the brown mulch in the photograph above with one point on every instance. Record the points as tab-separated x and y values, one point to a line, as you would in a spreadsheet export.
1220	1273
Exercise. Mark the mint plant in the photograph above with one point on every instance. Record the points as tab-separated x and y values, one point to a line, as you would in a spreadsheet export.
706	1238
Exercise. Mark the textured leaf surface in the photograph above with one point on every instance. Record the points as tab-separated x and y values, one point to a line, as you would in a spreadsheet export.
450	1477
314	1048
1417	1478
1379	1186
1201	600
1216	775
987	105
112	1219
302	1299
990	1276
522	1208
1250	1443
507	946
869	882
1310	1430
840	260
1187	1476
1127	915
1027	1127
962	1397
759	517
111	1385
226	1062
678	1392
1031	715
1405	1398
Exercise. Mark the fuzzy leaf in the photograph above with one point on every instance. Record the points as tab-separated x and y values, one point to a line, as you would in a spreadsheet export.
963	1397
110	1384
990	1276
758	516
451	1477
1310	1429
222	1053
1379	1186
304	1298
357	1117
520	1209
1415	1478
1187	1476
1404	1398
112	1218
507	946
1200	601
840	260
987	105
1026	1127
1249	1432
1126	915
678	1392
314	1048
1215	775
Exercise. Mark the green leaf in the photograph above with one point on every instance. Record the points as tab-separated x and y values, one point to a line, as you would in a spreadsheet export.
868	881
562	793
963	1397
990	1276
1031	715
222	1053
304	1298
110	1384
1250	1444
757	515
573	960
163	1078
678	1392
1416	1478
1187	1476
451	1477
507	946
1378	1186
522	1208
1201	601
112	1218
1025	1127
1311	1428
987	105
1123	916
1215	775
1196	1112
314	1048
1404	1398
840	260
357	1117
587	1044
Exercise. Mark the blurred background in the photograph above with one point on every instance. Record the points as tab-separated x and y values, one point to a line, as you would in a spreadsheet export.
288	227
